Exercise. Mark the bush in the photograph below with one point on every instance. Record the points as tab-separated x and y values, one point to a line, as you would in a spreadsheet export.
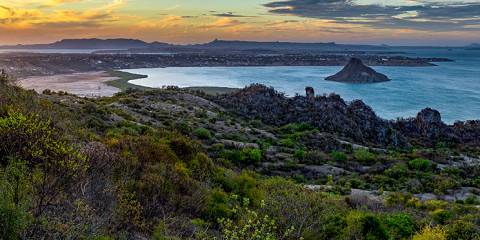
471	199
234	156
314	215
246	156
243	185
252	155
397	171
218	205
295	128
429	233
252	225
441	216
299	154
419	164
400	226
362	225
183	127
203	133
363	155
15	191
287	142
338	156
201	166
462	230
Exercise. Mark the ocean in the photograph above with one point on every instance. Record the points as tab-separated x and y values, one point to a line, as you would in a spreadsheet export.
453	88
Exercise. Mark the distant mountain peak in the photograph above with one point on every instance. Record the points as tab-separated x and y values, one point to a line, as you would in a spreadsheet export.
94	43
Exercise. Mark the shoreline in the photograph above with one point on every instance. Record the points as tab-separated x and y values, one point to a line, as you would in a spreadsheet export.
34	64
123	79
99	84
83	84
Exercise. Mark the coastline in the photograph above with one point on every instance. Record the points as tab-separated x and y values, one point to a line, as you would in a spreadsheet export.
123	79
84	84
99	84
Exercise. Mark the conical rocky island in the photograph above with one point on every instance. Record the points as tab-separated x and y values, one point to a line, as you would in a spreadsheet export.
357	72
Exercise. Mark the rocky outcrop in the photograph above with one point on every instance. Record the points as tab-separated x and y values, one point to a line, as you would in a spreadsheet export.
467	132
330	114
310	92
353	121
357	72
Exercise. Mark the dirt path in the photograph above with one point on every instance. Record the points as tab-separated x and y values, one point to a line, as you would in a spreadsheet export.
89	84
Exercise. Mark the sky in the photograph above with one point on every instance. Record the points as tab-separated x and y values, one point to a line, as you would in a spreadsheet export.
394	22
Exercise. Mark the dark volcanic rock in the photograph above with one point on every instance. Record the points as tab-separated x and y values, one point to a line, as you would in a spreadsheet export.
357	72
330	114
354	120
310	92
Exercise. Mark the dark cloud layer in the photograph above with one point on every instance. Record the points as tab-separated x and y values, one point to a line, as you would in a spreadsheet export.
230	14
436	16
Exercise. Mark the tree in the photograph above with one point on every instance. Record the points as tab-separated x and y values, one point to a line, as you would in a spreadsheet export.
54	163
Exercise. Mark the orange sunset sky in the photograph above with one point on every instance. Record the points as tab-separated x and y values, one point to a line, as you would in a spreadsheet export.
398	22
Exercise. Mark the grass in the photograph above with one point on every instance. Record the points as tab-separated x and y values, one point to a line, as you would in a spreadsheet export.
123	78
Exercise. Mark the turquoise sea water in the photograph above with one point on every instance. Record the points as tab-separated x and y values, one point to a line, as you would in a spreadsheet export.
453	88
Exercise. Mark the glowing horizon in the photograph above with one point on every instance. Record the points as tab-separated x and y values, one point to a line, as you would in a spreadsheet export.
403	22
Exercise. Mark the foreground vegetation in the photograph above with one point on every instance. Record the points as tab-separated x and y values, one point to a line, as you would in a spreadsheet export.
169	164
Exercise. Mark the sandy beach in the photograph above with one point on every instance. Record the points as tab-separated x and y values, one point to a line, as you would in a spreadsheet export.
89	84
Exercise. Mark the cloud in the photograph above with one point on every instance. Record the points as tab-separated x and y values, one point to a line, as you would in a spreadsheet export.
420	15
23	18
224	23
230	14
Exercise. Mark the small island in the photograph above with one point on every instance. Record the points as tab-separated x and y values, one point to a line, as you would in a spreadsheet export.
357	72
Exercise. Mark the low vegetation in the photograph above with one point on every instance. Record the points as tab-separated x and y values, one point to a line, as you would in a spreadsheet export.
169	164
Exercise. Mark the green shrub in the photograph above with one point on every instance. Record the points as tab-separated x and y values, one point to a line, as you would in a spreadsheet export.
419	164
246	156
234	156
400	226
314	215
365	156
203	133
15	199
338	156
183	127
362	225
12	222
441	216
462	230
429	233
295	128
397	171
252	225
218	205
287	142
471	199
252	155
299	154
184	147
243	185
201	166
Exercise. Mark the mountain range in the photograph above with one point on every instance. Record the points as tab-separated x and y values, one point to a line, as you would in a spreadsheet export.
124	44
93	43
